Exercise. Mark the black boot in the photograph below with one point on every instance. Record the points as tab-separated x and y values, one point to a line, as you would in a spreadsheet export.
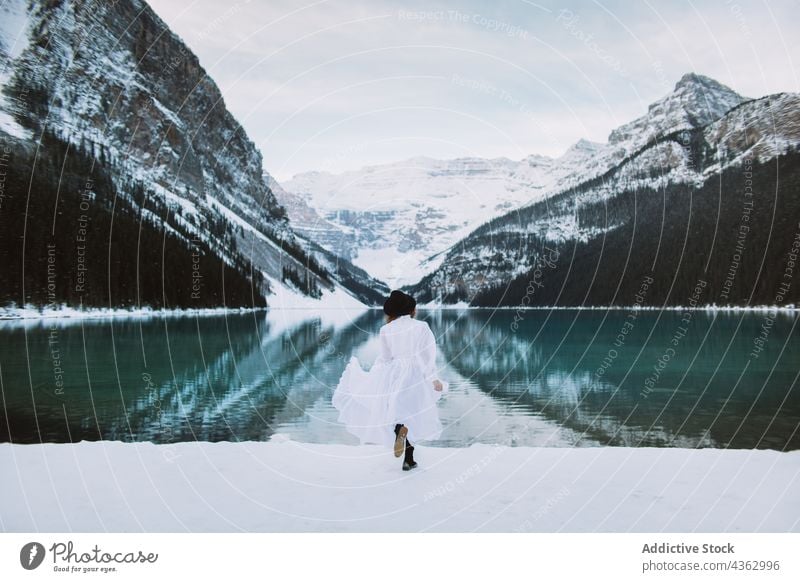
408	460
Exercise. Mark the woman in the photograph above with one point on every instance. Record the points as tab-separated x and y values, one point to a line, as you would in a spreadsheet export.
395	402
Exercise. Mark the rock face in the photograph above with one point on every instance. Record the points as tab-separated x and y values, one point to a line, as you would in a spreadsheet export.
115	75
701	145
114	81
695	102
308	223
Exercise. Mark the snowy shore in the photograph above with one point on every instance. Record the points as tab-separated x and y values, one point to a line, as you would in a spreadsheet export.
281	300
710	308
30	312
64	312
286	486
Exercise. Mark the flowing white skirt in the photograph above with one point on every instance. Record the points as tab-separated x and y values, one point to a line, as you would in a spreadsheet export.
371	403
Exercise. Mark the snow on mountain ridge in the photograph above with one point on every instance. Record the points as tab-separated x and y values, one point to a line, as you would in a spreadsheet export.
758	129
695	102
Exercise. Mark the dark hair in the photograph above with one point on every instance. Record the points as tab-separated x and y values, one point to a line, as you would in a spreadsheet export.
399	304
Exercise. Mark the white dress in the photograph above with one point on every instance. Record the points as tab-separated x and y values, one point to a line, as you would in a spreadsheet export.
398	389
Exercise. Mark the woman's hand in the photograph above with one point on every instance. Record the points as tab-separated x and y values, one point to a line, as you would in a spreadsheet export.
437	385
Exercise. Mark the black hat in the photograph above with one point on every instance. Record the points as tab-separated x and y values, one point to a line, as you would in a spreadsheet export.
399	304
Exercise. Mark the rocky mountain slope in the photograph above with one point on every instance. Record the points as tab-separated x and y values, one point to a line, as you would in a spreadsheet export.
111	85
704	166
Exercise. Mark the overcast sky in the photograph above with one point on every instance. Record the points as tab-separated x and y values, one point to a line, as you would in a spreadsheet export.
336	85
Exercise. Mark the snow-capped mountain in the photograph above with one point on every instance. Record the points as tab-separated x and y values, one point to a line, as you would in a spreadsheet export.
695	102
111	82
396	219
634	190
393	219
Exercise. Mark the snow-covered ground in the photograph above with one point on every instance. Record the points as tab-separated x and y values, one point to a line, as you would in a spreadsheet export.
750	308
281	298
66	312
286	486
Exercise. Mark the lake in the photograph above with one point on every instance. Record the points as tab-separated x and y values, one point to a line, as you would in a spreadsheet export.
557	378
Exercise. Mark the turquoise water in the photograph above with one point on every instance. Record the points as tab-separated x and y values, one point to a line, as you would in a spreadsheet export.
536	378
